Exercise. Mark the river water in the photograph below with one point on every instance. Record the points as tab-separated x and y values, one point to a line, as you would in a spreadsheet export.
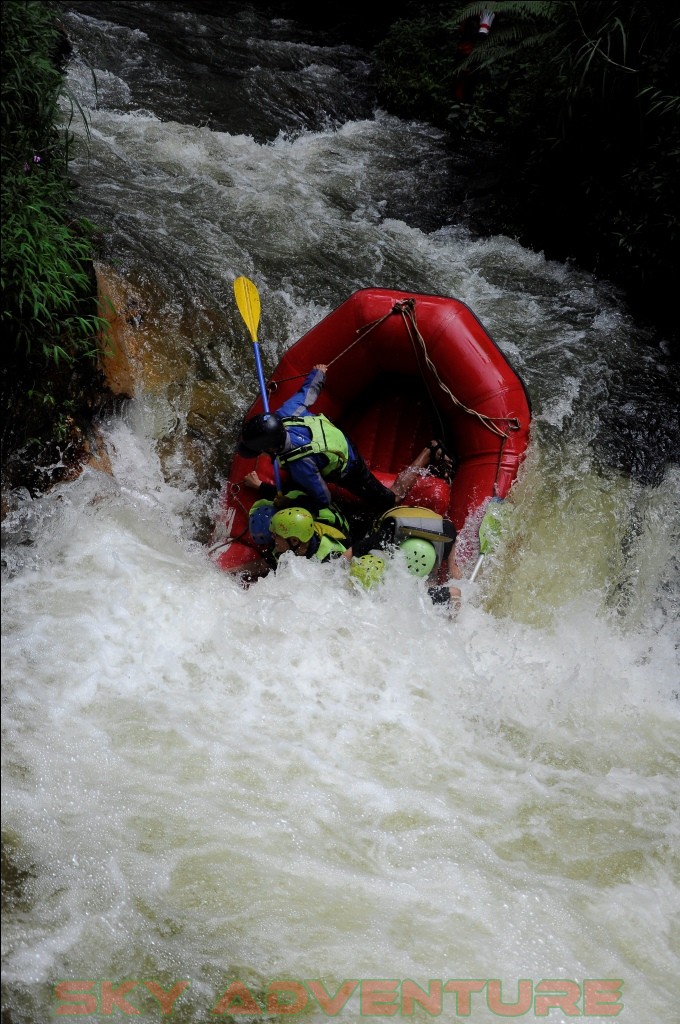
297	782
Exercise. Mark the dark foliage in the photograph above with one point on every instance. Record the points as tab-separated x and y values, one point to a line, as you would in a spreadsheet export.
50	321
573	112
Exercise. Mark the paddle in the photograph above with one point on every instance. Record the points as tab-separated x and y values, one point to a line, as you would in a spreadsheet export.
489	528
248	302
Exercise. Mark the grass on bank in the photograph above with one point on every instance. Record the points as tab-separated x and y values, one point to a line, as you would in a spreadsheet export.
51	325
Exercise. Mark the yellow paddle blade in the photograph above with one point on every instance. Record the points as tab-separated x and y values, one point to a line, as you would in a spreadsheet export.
248	302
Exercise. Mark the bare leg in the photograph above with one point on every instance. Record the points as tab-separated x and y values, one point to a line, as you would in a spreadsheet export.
455	573
406	479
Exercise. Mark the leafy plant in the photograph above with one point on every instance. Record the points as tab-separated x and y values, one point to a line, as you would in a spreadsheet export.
52	327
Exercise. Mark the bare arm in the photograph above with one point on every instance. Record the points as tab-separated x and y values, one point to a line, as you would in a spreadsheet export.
455	573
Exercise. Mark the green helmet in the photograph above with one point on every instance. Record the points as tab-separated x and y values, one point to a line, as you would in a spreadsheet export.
420	556
293	522
368	570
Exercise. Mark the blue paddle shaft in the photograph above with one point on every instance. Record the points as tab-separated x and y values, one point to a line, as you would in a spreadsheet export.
260	377
265	403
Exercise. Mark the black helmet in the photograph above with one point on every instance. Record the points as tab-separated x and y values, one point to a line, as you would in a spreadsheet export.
261	434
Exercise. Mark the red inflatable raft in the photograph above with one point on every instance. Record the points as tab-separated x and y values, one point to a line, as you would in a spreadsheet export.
403	368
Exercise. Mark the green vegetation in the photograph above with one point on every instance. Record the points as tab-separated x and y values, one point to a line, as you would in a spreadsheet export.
50	322
570	110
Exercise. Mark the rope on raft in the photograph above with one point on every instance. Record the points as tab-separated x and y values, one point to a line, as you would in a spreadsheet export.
406	307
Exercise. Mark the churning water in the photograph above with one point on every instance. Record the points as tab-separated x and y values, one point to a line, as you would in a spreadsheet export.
301	783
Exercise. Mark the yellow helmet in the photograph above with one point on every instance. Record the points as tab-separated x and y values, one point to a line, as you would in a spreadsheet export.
293	522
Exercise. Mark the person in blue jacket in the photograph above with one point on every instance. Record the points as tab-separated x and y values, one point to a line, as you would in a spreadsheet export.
312	449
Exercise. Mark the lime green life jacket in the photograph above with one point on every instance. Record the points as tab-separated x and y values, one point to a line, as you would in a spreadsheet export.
328	546
327	439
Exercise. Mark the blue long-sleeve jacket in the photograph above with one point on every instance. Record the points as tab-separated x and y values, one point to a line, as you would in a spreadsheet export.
307	471
299	403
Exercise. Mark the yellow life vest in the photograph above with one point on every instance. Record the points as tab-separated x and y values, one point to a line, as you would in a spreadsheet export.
331	541
324	530
328	547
